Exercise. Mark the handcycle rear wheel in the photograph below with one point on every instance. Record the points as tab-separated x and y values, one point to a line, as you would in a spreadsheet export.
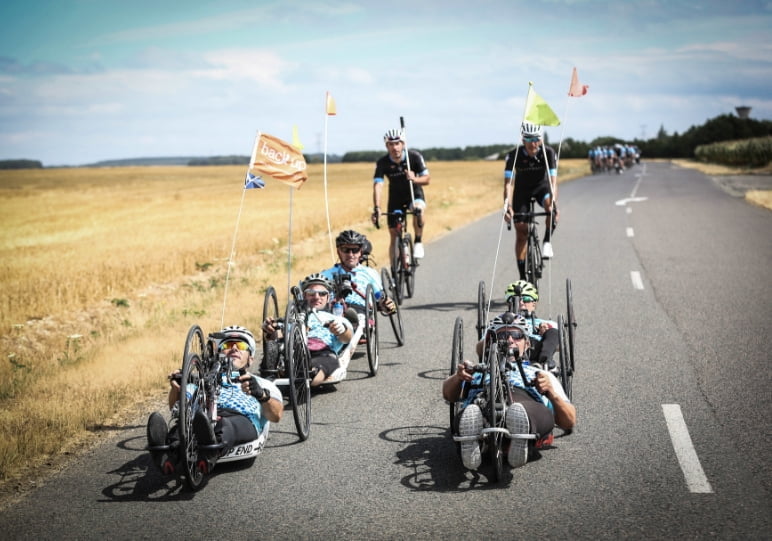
371	330
482	316
409	266
268	366
396	317
456	358
297	365
192	399
566	372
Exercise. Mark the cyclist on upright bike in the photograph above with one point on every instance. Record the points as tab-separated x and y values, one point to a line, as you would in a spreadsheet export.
535	177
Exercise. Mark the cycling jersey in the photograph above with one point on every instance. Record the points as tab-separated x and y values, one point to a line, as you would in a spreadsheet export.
319	332
399	186
361	277
530	171
231	397
515	380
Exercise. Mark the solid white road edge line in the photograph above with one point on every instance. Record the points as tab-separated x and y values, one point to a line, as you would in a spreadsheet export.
687	456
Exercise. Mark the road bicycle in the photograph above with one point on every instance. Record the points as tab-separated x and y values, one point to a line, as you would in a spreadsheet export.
534	262
403	264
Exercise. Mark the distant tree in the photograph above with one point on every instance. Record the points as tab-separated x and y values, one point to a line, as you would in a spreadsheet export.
20	164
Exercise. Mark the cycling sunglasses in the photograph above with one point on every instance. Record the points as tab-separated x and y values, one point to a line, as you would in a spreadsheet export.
531	139
240	345
526	298
350	250
317	292
515	334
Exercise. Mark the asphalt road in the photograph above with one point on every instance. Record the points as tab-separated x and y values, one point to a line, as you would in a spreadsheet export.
672	294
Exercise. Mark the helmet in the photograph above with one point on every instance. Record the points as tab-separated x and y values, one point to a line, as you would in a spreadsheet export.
393	135
507	320
521	288
528	129
316	278
349	236
234	332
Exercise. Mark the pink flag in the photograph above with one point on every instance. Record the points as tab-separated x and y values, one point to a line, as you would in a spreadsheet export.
577	89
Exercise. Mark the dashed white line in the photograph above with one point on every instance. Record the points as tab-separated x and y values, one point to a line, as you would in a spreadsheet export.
695	477
630	232
635	276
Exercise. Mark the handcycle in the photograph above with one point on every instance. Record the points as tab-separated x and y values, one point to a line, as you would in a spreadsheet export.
204	371
566	338
403	264
395	317
494	395
534	262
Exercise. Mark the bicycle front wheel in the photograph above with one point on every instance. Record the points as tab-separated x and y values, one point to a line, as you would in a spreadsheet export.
409	266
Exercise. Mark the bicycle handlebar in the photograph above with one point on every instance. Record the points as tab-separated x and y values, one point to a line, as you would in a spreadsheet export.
399	213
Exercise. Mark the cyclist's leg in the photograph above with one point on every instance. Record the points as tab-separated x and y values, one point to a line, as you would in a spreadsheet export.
544	198
419	221
323	364
521	204
233	428
544	350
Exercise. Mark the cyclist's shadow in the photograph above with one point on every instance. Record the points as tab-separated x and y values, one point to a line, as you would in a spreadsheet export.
432	462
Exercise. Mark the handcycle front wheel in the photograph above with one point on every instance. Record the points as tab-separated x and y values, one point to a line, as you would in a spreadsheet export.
496	410
395	318
194	343
482	316
571	325
456	358
192	400
371	330
566	372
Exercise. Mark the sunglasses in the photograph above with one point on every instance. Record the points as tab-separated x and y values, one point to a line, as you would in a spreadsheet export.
516	335
349	250
317	292
531	139
240	345
526	298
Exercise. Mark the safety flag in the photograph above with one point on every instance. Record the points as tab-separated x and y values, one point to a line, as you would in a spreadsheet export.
279	160
537	110
577	90
330	105
296	139
253	181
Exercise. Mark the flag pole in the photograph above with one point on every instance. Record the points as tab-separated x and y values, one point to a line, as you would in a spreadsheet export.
289	242
236	233
326	199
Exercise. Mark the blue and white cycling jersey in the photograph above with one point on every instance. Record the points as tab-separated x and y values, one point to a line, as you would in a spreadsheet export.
361	277
515	380
317	329
532	326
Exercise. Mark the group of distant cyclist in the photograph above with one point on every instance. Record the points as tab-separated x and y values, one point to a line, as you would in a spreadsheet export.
248	402
616	157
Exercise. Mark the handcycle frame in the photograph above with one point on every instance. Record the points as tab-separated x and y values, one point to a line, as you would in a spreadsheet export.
493	399
203	372
387	281
534	262
403	265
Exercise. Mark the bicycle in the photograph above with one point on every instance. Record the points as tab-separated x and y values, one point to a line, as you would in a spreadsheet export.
403	264
534	262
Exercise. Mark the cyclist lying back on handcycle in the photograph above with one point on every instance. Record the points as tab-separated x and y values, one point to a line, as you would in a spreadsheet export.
246	406
328	334
543	333
538	404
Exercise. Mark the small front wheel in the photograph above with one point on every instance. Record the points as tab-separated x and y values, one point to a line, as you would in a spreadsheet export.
192	400
371	330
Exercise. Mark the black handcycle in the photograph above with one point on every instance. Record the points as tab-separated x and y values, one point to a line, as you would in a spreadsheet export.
403	264
493	398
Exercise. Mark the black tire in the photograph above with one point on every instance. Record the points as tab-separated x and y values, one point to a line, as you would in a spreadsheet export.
297	364
269	364
409	266
371	330
495	412
533	264
482	305
398	275
192	399
456	357
566	375
396	318
571	323
194	343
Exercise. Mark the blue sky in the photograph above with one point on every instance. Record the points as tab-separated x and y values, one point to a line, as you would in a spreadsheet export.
89	80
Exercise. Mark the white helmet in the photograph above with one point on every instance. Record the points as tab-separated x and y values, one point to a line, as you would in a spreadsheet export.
235	332
393	135
528	129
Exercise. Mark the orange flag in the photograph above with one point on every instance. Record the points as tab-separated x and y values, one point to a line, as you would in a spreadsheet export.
577	89
330	105
279	160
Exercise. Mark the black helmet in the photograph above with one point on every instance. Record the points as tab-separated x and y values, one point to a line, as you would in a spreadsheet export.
349	236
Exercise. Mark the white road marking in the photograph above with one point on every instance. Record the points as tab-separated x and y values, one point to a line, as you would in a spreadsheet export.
625	201
687	456
629	210
635	276
630	232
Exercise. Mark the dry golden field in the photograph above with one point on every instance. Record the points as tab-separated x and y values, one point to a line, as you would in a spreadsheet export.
104	270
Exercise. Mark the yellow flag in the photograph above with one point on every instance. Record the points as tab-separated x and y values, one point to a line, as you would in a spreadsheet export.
537	110
330	105
296	139
279	160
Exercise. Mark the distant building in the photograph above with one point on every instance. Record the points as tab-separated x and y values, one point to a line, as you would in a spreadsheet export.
743	111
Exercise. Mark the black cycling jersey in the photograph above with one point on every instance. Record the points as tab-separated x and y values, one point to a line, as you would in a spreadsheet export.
399	186
530	171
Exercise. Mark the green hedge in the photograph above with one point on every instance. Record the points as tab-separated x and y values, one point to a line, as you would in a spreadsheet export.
756	152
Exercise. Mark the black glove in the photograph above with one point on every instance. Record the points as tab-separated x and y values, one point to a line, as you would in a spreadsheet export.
257	391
